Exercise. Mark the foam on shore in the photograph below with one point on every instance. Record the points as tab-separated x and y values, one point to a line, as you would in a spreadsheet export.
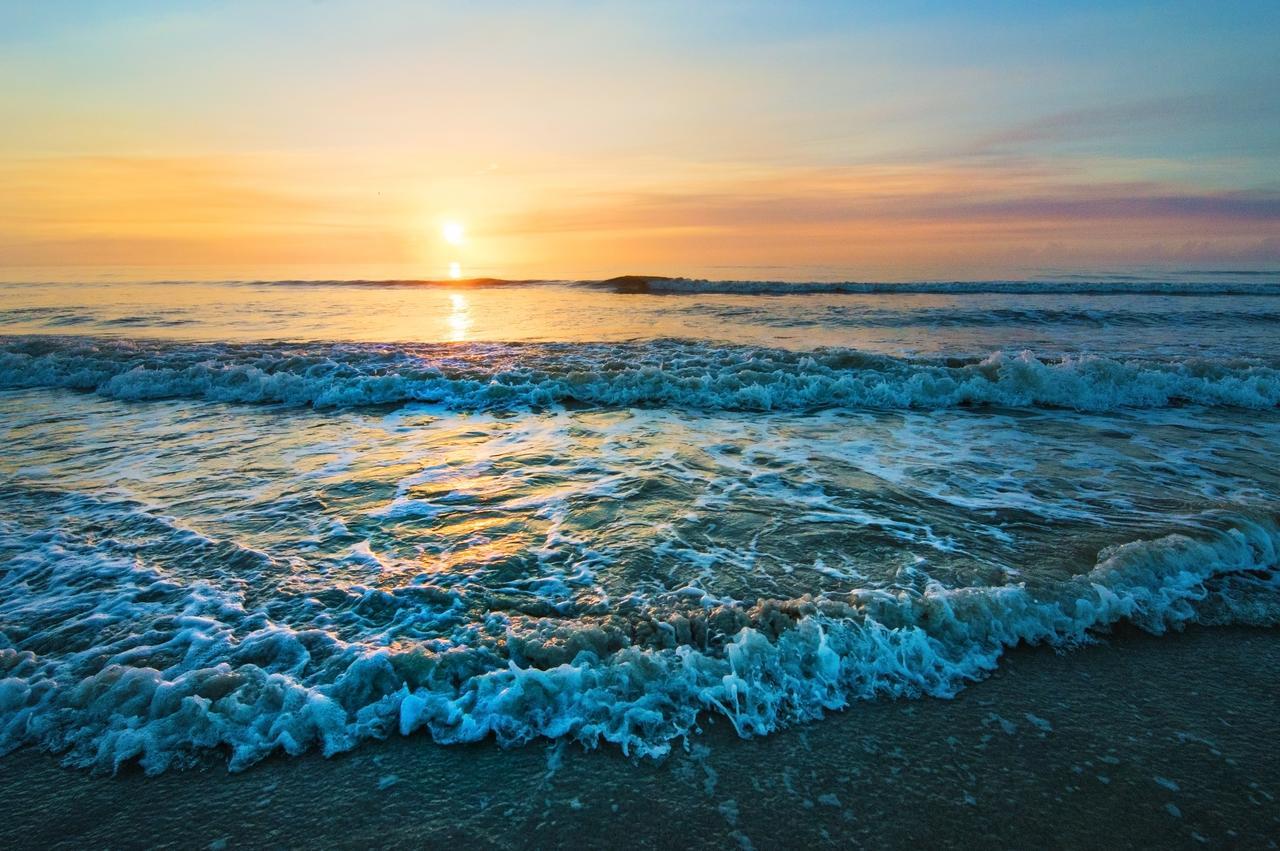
111	659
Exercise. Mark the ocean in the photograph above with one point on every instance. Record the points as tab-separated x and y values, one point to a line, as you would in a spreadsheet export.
247	523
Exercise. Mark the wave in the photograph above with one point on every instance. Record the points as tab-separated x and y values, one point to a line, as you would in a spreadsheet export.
661	285
664	373
860	316
115	660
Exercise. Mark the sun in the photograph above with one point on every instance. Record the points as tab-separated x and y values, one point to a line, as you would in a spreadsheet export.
453	232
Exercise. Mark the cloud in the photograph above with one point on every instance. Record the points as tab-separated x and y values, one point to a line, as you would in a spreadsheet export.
1101	122
625	214
862	196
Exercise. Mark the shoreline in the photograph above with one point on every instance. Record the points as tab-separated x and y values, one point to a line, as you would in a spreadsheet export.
1140	741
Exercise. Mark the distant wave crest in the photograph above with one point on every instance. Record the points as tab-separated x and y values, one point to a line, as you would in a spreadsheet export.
643	284
663	373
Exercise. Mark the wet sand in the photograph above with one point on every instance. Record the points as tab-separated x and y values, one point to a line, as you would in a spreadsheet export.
1141	741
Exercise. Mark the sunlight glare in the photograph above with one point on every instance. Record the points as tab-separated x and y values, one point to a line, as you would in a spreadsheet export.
459	318
453	232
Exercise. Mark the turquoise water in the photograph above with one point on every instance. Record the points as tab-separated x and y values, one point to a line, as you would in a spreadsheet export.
262	517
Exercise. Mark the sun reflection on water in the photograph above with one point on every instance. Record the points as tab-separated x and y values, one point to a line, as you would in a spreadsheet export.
459	318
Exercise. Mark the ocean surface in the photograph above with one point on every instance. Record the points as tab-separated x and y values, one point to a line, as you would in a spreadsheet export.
257	517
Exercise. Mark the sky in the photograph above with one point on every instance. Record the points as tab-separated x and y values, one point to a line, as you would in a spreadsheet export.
726	139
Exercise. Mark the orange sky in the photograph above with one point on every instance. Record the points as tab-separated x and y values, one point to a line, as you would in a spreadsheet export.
599	141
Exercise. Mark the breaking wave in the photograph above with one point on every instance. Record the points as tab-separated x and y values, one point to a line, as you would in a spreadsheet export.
664	373
109	656
643	284
861	316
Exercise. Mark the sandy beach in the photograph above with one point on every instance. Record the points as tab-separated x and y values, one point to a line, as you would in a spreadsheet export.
1135	742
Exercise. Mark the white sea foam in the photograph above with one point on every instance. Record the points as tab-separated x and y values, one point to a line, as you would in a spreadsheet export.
107	658
673	373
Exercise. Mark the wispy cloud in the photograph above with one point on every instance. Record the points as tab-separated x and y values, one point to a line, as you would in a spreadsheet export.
858	196
1101	123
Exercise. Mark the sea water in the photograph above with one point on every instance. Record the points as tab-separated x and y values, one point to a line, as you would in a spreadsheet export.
255	517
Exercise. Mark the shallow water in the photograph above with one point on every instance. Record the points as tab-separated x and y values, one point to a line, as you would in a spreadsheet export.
292	516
